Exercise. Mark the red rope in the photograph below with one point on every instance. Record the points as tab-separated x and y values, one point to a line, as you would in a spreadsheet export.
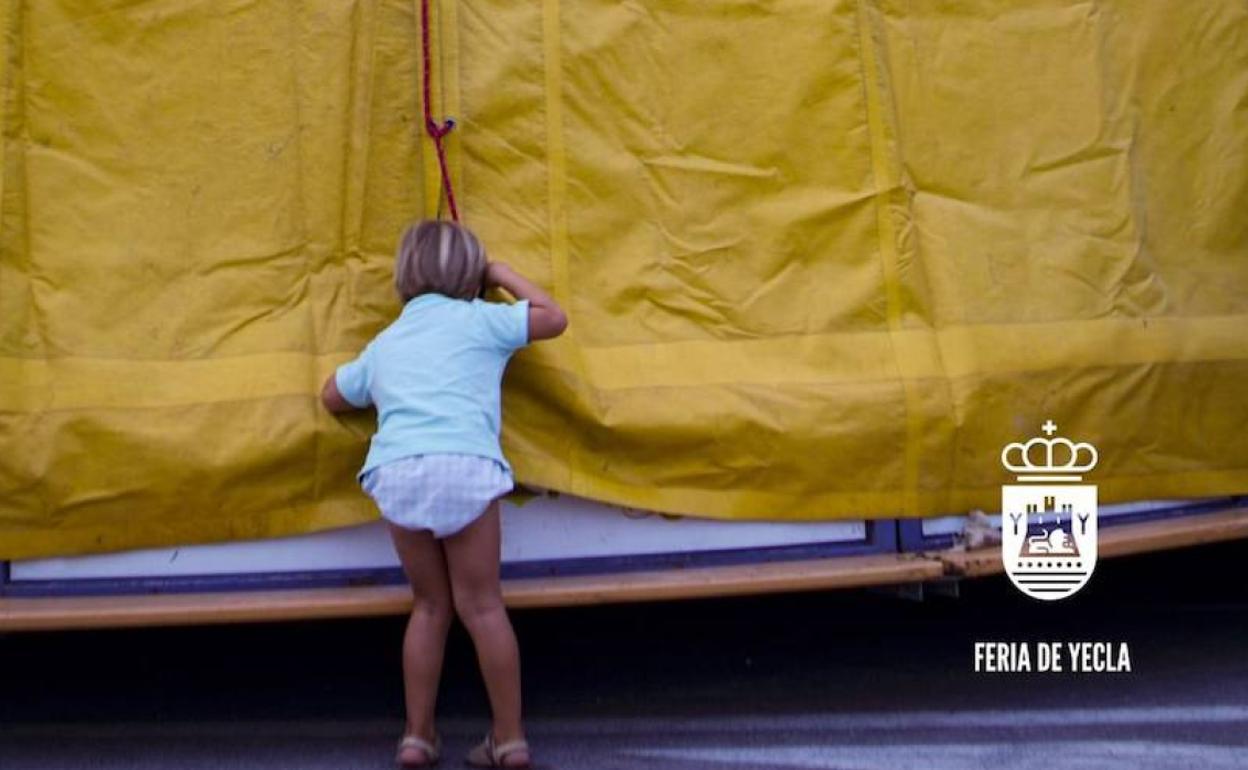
437	131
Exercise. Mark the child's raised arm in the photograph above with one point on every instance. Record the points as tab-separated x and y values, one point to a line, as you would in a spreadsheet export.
546	318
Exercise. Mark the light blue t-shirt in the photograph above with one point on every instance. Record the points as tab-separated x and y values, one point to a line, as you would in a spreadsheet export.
435	376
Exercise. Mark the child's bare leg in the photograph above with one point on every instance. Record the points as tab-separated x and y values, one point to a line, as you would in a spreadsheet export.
425	640
472	556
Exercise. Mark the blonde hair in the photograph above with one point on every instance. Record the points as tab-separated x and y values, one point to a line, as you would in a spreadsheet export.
438	256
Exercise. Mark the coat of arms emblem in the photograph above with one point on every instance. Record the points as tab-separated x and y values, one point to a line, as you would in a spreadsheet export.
1048	519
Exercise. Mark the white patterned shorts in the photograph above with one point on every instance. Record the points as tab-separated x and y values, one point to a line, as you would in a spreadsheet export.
439	492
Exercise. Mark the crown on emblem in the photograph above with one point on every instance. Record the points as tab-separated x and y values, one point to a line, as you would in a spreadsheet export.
1049	459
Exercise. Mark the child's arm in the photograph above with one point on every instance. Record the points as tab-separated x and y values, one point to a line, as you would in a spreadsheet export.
332	399
546	318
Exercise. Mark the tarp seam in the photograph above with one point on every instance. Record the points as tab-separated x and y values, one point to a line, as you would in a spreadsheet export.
884	180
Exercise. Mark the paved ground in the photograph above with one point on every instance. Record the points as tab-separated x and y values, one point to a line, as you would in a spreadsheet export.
842	680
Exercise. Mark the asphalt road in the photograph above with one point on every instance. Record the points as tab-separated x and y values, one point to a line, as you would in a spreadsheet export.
834	680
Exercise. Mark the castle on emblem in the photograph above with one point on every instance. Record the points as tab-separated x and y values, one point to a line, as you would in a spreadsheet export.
1048	519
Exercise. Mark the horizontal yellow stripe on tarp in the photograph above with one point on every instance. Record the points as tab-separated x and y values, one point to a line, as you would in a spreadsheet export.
970	350
35	385
147	529
761	504
920	353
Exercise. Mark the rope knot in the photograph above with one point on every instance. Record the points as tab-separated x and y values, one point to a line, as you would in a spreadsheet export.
438	131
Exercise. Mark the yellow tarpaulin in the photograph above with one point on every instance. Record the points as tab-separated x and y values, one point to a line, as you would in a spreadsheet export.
821	259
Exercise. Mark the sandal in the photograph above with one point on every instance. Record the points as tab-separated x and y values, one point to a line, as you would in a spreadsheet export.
432	751
487	754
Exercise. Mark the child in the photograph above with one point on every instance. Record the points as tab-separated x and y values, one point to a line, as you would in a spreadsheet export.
435	468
